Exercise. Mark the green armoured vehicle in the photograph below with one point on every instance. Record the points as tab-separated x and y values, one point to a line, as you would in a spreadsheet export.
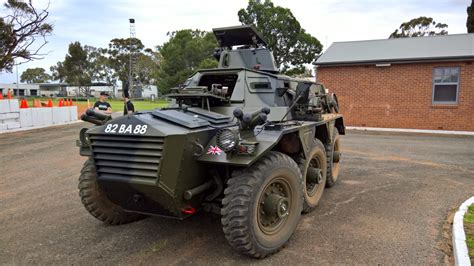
240	140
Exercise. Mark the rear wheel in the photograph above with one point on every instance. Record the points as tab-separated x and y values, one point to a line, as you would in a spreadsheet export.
262	205
313	170
333	154
97	203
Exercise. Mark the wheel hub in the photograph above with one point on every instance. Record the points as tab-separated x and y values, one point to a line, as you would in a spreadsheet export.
283	207
276	205
314	175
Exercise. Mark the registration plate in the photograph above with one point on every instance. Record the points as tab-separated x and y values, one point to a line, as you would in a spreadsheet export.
126	129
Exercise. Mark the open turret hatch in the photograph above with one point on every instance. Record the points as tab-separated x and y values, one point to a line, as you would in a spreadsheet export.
238	35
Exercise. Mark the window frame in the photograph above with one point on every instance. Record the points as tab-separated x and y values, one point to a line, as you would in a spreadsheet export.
458	83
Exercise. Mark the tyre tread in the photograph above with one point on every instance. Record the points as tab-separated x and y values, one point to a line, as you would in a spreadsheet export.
330	182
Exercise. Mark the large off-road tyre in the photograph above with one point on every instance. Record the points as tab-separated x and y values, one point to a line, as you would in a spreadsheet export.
333	154
97	203
313	170
262	205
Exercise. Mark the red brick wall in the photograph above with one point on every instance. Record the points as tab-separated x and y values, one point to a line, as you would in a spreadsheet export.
399	96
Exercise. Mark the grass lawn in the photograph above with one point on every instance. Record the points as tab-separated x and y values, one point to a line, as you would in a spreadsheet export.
469	229
139	105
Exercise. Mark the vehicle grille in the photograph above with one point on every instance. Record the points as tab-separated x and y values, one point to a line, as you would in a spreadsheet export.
127	156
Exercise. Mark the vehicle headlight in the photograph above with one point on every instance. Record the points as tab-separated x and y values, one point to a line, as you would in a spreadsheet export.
227	139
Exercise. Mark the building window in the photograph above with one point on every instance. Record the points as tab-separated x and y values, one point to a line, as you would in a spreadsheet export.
446	85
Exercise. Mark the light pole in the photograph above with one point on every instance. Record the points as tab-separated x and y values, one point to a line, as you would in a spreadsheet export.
17	88
130	66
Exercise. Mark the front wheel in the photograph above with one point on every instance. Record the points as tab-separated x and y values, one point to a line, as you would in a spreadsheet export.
97	203
262	205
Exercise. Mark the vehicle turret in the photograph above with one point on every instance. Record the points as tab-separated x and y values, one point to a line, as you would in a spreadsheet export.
243	47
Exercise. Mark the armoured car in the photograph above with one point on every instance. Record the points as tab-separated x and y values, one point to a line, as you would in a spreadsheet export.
243	141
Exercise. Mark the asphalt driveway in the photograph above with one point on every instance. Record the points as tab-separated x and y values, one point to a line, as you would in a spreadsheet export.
389	206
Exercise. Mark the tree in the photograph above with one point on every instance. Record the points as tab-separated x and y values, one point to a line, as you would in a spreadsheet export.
290	44
99	69
75	69
86	64
119	55
418	27
147	66
184	53
300	72
470	18
35	75
144	61
19	30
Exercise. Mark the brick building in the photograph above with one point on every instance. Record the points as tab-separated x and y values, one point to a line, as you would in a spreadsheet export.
418	83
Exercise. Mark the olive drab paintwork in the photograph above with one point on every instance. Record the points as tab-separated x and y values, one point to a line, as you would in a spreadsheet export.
174	160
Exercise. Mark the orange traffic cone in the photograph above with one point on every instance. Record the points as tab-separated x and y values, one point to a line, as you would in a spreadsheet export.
23	104
1	96
61	103
9	95
67	103
50	103
70	102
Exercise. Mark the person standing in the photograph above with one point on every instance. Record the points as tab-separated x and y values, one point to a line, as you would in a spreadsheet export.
102	104
128	107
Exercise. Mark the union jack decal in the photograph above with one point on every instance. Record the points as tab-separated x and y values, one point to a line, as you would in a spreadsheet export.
214	150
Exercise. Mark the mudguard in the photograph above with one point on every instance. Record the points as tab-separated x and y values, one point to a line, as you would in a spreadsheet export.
267	139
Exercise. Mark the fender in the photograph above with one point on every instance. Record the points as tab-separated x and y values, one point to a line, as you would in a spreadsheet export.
267	140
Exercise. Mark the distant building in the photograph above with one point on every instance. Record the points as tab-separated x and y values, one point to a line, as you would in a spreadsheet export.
420	83
147	92
93	90
37	89
64	90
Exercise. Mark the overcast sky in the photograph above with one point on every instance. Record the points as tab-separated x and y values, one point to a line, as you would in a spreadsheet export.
96	22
